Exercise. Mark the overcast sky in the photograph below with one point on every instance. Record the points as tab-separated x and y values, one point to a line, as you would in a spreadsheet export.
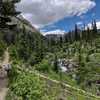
43	13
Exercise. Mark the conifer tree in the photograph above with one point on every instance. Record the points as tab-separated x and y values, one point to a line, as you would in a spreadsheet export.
7	10
60	41
88	36
94	26
76	33
69	37
56	64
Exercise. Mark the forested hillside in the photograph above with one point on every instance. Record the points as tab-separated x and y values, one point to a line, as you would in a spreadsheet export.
19	35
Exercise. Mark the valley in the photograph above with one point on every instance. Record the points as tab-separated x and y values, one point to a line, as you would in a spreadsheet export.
34	66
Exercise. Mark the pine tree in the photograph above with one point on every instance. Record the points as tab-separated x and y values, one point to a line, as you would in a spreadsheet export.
69	36
76	33
88	35
61	41
94	27
66	37
56	69
7	10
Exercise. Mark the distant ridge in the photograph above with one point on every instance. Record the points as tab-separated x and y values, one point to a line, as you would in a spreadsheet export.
20	21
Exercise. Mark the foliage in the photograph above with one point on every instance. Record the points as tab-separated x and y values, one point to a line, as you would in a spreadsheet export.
43	66
25	85
33	49
2	48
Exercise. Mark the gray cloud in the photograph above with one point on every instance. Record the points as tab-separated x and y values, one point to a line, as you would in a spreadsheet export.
42	12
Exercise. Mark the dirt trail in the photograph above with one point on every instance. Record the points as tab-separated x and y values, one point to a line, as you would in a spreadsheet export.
3	76
6	57
3	88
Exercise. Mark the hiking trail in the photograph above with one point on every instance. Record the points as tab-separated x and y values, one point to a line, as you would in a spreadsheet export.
3	76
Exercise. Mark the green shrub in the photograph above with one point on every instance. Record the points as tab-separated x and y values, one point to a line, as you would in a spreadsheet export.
43	66
25	85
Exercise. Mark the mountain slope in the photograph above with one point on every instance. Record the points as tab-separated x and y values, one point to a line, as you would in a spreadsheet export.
20	21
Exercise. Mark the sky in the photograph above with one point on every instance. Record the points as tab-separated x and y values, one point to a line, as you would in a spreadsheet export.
59	16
